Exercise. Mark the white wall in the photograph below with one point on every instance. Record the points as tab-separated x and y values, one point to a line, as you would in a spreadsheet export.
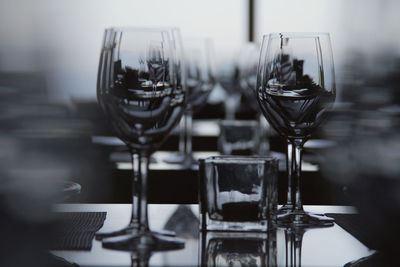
63	38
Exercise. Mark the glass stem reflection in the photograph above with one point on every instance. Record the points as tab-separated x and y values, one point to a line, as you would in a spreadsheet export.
139	218
294	240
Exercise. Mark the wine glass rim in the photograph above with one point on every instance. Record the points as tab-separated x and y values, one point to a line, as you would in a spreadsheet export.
296	34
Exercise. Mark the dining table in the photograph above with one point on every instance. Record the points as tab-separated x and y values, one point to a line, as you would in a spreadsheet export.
328	246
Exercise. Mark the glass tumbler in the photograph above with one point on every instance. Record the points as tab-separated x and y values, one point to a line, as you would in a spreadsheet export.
238	193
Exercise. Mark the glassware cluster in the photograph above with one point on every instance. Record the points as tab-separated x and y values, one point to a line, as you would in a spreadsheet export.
148	78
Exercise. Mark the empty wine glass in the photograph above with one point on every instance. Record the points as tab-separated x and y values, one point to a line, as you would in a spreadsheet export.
228	78
247	64
295	88
139	89
201	80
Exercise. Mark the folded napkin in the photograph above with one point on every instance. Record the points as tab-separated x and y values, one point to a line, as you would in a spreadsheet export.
76	230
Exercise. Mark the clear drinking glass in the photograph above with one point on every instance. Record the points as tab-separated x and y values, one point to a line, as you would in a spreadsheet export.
238	193
295	88
140	92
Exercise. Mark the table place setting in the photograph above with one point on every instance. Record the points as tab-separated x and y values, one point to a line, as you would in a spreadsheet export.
143	85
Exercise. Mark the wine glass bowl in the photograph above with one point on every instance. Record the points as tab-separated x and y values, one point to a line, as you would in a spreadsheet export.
295	94
140	90
137	94
200	73
295	88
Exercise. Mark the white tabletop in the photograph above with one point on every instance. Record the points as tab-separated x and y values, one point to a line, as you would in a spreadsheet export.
331	246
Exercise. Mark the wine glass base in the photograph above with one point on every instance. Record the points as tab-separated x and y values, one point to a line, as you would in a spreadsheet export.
182	159
128	230
301	218
287	208
143	241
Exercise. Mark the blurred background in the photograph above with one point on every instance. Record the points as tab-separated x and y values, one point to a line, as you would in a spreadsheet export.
49	53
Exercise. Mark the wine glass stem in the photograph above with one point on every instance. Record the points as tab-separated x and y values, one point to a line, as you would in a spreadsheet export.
189	131
264	135
289	167
182	135
139	218
185	133
298	147
230	106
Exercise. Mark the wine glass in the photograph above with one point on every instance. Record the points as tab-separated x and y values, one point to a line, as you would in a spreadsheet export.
140	90
295	88
247	64
228	78
201	80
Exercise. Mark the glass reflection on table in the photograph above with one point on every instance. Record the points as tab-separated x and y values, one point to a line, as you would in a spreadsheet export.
237	249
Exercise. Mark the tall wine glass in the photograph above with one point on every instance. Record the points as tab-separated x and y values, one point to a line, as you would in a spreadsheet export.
228	78
247	64
201	80
140	93
295	88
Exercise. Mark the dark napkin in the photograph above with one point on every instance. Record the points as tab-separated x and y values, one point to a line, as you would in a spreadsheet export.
354	224
76	230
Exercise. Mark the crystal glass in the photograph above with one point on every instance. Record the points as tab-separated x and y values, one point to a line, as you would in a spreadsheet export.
201	80
139	89
295	88
238	193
